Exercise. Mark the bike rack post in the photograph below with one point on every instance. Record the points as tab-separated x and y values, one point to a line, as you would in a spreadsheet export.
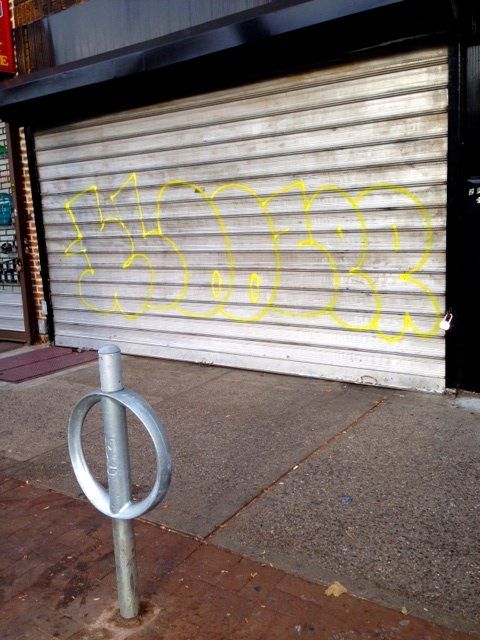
118	503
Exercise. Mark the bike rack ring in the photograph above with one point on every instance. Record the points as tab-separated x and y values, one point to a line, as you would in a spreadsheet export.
92	489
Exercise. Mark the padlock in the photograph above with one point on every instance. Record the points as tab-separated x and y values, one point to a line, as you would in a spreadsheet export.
446	322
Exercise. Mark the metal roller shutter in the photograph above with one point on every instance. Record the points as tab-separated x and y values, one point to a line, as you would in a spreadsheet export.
11	308
295	225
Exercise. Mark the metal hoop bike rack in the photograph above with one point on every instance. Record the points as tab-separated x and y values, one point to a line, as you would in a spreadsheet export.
117	503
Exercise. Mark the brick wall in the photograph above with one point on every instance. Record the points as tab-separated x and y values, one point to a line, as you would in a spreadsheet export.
32	241
27	11
32	39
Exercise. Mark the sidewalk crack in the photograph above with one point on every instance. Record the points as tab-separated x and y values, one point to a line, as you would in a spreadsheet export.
329	442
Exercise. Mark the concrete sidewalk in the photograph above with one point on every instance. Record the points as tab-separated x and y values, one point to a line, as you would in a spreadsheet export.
375	488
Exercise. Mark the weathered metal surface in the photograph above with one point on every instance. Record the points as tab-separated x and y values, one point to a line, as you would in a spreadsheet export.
293	225
11	308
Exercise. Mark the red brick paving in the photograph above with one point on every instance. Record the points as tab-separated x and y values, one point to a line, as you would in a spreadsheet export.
41	362
57	581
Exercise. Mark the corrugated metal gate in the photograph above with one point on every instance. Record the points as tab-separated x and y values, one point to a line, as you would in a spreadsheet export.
12	324
295	225
11	309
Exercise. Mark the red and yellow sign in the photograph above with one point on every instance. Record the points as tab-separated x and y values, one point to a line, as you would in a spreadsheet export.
7	57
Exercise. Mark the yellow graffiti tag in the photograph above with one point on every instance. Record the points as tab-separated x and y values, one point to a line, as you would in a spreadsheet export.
217	282
263	284
254	289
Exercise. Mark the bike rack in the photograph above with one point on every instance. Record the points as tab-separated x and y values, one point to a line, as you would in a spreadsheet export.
117	503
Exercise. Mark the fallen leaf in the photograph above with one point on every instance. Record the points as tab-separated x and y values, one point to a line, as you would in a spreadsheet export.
335	589
404	611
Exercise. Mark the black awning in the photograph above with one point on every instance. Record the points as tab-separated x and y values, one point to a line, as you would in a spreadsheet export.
273	37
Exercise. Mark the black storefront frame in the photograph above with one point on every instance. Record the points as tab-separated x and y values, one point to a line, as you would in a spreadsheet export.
463	221
267	41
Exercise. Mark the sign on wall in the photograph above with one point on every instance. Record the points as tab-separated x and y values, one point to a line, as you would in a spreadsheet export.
6	208
7	58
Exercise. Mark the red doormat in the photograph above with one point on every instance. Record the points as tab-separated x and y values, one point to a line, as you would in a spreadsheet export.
41	362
